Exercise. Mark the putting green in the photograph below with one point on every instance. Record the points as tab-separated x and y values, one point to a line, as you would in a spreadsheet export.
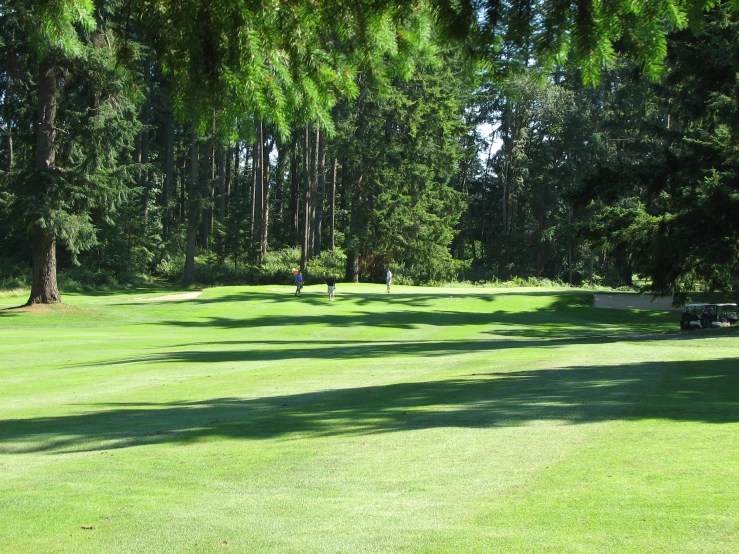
425	420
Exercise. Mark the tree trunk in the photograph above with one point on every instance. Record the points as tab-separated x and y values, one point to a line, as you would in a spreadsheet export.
306	186
206	215
144	182
221	201
590	268
236	174
10	149
484	215
295	190
332	236
540	248
353	254
9	99
355	269
280	185
569	251
168	175
44	289
144	176
265	200
258	210
569	263
193	215
183	199
229	182
313	193
352	267
321	193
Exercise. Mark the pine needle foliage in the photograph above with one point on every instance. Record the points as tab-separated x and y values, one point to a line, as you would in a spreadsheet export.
591	34
96	122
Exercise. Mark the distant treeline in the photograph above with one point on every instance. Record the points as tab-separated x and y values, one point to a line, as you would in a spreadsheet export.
200	145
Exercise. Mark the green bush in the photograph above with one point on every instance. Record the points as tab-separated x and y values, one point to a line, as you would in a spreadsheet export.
14	275
277	265
171	267
328	263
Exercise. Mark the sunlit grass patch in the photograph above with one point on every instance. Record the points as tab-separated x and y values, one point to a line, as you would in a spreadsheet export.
426	420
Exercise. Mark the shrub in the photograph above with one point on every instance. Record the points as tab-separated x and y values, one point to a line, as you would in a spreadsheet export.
276	266
328	263
14	275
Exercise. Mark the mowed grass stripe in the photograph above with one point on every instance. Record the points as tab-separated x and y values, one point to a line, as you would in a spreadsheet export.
437	420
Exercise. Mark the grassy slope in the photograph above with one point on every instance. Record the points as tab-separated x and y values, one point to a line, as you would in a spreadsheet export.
428	420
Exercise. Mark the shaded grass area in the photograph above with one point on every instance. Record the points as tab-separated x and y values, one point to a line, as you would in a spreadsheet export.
431	421
573	395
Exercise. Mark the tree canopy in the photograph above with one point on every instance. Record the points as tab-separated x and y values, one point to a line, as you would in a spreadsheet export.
186	138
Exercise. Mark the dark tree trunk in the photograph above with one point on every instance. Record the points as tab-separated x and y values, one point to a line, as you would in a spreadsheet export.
255	175
258	161
193	215
569	252
306	186
332	236
44	289
321	193
235	179
229	183
10	149
313	194
46	118
144	182
280	187
569	263
540	248
206	224
9	99
183	197
265	200
624	268
221	201
352	267
144	176
353	256
168	175
295	191
590	268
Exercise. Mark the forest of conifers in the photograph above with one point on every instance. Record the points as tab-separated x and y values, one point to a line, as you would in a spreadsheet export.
226	141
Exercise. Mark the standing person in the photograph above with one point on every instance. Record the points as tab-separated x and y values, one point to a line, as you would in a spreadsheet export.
331	282
298	283
389	279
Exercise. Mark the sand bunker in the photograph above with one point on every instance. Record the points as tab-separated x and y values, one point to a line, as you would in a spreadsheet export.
181	296
632	302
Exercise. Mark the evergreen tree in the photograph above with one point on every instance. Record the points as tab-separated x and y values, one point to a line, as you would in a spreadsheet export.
84	126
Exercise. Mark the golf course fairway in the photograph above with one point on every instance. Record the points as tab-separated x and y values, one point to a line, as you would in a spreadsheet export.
443	420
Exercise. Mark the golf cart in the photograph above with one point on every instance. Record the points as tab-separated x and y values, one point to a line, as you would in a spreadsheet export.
691	318
719	315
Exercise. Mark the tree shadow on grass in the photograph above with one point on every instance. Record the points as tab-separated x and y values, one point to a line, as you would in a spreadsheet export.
680	391
242	351
316	295
560	318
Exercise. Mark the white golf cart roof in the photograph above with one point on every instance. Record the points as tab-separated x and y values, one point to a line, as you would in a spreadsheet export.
727	305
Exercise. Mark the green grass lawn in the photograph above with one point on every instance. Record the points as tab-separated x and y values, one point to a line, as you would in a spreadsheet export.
426	420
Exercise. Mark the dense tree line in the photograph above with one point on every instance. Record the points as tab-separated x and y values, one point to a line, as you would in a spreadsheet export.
227	141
